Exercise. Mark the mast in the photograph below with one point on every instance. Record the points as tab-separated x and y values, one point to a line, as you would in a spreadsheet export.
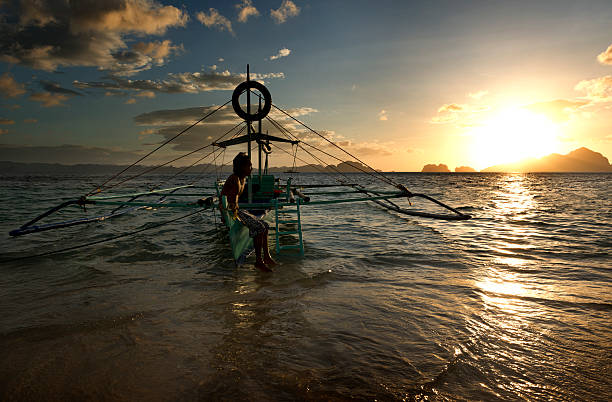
250	185
259	142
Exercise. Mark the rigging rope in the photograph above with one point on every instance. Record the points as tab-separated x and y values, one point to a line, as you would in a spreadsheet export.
172	160
92	243
382	176
100	188
204	157
288	134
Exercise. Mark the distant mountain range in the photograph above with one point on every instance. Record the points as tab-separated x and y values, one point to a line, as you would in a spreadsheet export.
19	169
579	160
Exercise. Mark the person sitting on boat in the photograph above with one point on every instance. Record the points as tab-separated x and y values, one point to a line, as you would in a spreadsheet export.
258	229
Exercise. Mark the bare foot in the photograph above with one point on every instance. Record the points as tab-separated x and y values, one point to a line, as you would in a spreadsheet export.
269	261
262	266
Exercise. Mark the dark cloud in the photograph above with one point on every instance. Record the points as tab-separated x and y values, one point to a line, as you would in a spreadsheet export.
47	34
186	116
54	87
66	154
167	123
178	82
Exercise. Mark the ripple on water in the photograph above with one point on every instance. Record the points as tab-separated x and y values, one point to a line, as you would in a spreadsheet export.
513	304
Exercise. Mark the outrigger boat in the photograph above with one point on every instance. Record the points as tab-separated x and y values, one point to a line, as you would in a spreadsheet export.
268	197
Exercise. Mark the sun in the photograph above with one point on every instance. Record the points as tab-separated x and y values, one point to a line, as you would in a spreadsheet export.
512	135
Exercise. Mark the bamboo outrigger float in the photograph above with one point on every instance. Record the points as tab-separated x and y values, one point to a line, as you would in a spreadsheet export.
270	198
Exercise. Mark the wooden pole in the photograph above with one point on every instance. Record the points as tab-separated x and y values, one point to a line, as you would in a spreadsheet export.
250	186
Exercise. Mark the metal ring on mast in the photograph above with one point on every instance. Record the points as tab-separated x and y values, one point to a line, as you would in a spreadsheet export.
246	86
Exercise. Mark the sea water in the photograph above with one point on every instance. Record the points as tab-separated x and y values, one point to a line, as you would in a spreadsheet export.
513	304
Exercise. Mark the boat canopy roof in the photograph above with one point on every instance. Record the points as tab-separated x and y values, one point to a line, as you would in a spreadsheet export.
253	137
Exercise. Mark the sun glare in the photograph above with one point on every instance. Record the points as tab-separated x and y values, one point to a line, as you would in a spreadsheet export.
512	135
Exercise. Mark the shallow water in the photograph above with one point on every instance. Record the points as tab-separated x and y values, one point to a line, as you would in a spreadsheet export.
513	304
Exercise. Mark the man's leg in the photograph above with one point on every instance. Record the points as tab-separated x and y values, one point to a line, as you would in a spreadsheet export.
266	250
258	242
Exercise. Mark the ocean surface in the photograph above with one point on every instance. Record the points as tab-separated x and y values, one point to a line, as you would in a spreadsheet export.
515	304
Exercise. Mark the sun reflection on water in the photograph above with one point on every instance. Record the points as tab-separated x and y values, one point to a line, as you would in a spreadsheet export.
513	196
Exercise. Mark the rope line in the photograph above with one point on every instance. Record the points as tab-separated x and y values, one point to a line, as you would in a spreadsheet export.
108	239
282	128
101	187
172	160
382	176
204	157
287	133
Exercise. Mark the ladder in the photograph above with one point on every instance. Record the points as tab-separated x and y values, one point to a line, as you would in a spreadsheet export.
288	215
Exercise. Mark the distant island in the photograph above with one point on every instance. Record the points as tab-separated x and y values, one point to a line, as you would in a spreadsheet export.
579	160
433	168
464	169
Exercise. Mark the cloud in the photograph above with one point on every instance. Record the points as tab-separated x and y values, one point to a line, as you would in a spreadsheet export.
605	57
49	99
54	87
179	82
382	115
287	9
478	95
246	10
451	107
557	110
146	94
452	112
171	117
30	121
130	101
168	122
47	34
133	16
6	121
158	50
597	89
3	131
142	57
215	20
284	52
9	87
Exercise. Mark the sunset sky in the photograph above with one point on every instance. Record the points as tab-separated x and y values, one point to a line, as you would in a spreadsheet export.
400	84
